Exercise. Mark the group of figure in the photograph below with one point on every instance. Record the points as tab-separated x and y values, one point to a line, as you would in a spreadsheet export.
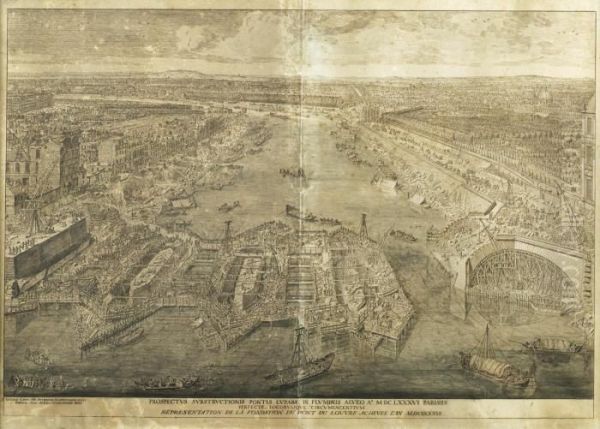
285	172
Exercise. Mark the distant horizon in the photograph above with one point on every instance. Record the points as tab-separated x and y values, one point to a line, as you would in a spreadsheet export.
18	75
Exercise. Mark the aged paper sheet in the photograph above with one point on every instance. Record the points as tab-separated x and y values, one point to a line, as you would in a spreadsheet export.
298	213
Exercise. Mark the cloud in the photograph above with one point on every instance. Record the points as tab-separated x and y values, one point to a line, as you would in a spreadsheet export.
190	38
331	23
263	35
260	36
463	40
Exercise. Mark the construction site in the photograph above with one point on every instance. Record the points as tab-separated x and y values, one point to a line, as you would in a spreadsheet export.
337	284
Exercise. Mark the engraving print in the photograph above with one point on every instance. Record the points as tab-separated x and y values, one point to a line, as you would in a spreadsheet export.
299	203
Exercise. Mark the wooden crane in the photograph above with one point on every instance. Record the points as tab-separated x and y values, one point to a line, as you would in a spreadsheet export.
35	203
488	233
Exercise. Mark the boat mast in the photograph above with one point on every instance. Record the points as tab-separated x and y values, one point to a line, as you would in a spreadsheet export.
487	342
487	346
299	355
485	349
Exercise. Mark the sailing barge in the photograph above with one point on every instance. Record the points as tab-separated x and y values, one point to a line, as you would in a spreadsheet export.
482	362
302	366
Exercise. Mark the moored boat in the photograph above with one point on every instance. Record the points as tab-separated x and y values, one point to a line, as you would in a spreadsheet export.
294	212
553	349
546	311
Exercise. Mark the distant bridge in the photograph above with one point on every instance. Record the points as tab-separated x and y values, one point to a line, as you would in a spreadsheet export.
389	115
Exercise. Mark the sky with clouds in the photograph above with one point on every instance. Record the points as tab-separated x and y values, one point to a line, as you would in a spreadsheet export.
314	43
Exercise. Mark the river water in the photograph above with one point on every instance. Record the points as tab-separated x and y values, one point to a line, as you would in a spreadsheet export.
172	347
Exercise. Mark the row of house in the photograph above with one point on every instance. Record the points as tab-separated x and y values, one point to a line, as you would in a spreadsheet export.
52	165
43	168
19	103
145	142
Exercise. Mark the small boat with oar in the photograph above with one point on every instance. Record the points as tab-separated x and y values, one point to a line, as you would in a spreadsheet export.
166	383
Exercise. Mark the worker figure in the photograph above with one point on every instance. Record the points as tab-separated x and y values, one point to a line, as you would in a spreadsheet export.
464	360
16	291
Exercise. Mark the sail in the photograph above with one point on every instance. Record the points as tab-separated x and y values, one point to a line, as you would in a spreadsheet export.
490	366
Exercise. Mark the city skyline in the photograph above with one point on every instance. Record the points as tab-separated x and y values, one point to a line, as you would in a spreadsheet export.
314	44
